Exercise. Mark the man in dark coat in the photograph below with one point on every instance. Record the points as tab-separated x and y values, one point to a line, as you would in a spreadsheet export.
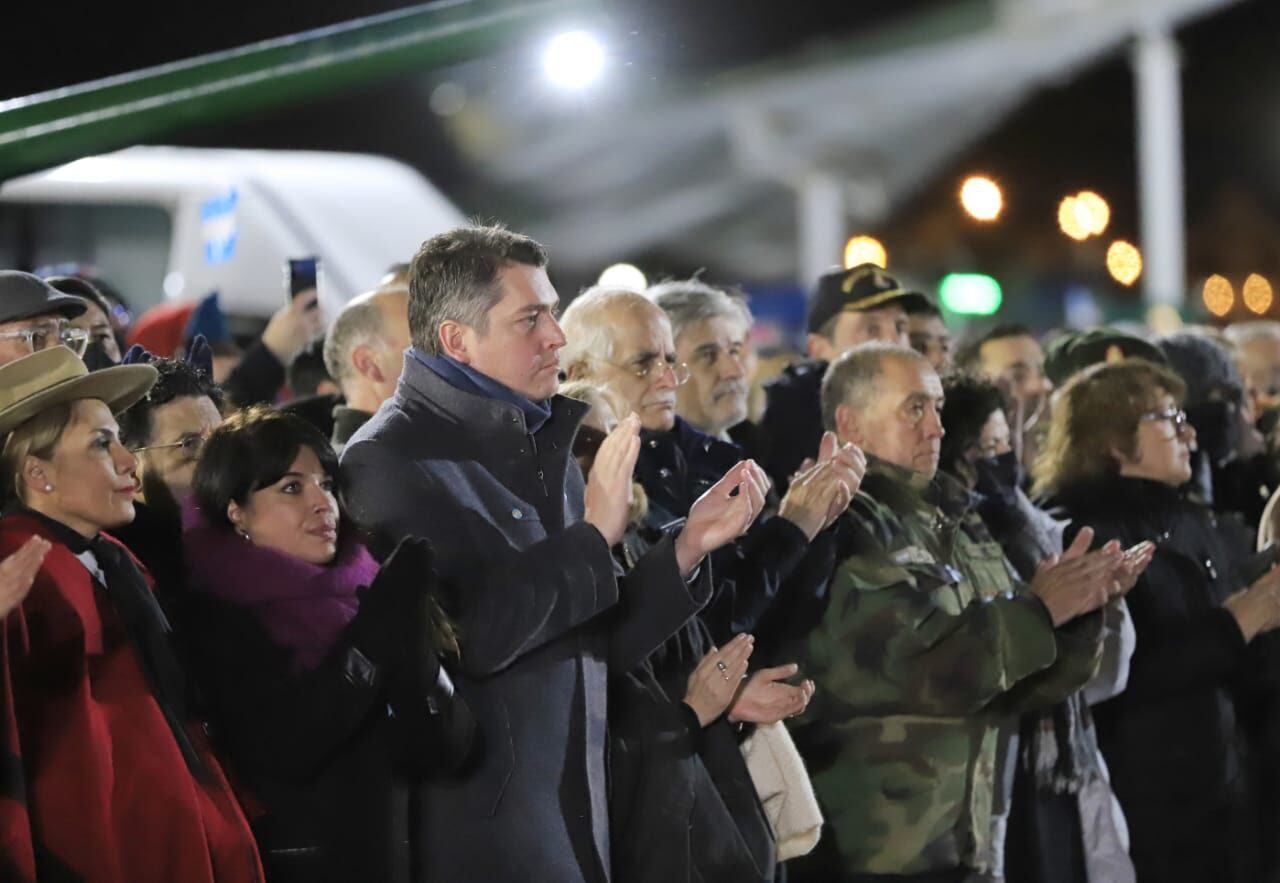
849	307
473	453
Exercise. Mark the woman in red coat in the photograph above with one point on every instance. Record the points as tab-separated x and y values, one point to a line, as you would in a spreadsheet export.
102	777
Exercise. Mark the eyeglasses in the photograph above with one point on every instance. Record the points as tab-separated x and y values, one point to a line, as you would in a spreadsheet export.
1176	416
42	337
651	369
191	447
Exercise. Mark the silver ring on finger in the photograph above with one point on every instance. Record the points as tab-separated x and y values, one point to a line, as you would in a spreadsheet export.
720	665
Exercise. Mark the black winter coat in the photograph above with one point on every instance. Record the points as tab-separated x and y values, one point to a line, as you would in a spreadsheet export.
528	582
683	807
1171	739
331	758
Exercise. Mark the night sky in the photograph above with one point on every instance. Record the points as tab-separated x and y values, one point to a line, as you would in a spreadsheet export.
1075	135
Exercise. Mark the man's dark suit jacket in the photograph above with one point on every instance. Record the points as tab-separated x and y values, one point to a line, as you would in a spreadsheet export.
541	616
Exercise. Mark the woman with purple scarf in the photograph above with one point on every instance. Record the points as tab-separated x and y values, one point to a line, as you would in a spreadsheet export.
322	670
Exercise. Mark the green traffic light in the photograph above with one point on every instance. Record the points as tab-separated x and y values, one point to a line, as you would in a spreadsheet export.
970	294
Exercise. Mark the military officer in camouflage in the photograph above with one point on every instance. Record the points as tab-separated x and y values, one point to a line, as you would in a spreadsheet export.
928	642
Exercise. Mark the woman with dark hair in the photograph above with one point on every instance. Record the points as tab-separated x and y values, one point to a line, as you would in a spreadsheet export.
1054	804
106	777
1117	456
322	669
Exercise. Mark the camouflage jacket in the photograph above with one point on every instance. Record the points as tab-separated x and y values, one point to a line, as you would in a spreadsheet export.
928	644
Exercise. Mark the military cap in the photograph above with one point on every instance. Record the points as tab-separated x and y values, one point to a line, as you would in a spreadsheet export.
1077	350
856	290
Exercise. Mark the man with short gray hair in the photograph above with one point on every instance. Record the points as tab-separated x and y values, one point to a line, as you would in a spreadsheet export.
928	643
364	353
711	331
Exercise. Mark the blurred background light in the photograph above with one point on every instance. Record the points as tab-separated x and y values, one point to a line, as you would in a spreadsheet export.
1124	262
1083	214
1069	220
627	276
1218	295
1256	294
1164	319
448	99
573	60
981	198
174	284
865	250
970	294
1092	212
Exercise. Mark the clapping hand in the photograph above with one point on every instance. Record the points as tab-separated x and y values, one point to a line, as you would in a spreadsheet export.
1078	581
608	492
18	572
715	682
722	514
1132	564
1257	608
823	489
767	698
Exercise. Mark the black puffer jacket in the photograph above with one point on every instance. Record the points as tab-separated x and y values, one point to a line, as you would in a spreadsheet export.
1172	739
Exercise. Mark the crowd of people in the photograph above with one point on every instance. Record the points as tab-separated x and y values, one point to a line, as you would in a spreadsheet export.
467	584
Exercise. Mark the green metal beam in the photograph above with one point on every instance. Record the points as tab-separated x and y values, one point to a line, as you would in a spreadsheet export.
49	128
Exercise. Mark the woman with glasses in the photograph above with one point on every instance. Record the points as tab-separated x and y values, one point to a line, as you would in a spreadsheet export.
1117	457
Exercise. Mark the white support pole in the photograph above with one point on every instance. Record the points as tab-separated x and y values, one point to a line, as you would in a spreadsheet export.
1158	94
820	225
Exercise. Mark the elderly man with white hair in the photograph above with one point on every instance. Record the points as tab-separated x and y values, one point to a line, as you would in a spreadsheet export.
621	340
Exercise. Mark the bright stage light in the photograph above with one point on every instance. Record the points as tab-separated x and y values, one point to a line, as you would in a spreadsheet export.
573	60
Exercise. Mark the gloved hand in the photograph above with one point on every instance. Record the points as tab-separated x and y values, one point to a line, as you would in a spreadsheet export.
393	626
